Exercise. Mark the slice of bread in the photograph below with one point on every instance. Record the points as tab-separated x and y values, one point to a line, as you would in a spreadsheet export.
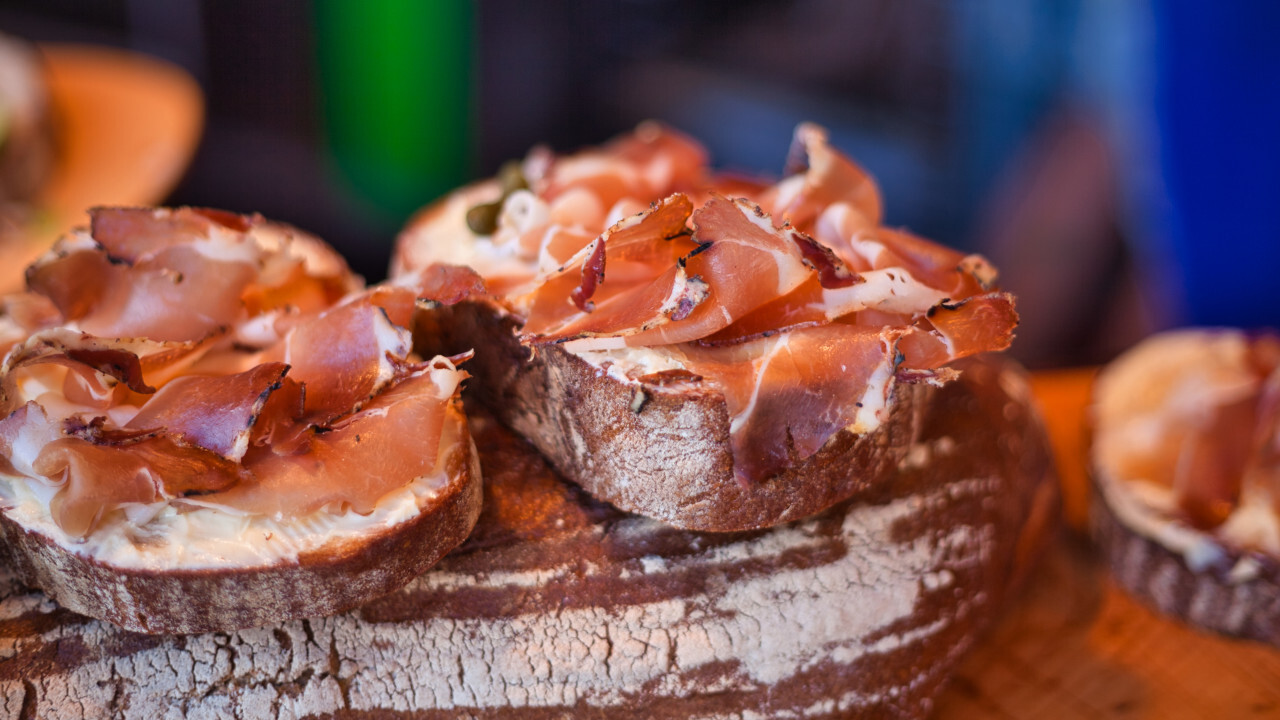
207	428
657	448
562	606
292	568
718	364
1184	462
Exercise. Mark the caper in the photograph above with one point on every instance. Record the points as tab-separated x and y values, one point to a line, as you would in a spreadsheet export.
483	218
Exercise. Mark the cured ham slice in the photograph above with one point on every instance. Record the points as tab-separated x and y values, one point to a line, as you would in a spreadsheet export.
828	178
949	331
131	234
345	356
98	477
180	275
392	441
445	284
779	390
21	314
215	413
650	163
95	367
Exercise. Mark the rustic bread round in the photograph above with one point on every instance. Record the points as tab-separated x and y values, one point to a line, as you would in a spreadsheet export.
561	606
659	449
345	570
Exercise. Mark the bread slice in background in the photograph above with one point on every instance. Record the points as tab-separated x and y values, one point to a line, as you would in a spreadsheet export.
1185	464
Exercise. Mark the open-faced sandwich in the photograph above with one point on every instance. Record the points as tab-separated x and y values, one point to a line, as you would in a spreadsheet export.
559	606
711	351
207	425
1186	460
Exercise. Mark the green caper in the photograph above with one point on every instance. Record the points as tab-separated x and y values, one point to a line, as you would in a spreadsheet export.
483	219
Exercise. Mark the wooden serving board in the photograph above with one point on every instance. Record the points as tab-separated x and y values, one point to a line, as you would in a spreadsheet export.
1076	646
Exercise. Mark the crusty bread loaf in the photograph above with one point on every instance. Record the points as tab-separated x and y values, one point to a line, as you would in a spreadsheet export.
660	449
562	606
1183	463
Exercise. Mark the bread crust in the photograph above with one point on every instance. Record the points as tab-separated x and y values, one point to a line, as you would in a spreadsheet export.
339	575
659	450
560	606
1231	591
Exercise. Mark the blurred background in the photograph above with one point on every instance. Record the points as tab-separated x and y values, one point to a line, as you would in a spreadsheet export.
1116	159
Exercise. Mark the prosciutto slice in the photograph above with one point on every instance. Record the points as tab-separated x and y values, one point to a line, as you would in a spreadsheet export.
171	354
351	465
821	178
130	234
218	413
345	356
96	477
789	393
649	163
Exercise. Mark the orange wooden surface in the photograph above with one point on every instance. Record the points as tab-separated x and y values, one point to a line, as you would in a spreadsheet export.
1075	646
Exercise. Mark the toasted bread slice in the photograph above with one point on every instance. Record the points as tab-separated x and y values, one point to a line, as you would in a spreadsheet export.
1184	462
206	428
562	606
657	447
716	363
203	571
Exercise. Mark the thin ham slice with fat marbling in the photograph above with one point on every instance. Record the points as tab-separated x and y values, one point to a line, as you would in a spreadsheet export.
183	355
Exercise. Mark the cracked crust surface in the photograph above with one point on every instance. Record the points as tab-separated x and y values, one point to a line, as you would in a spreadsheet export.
562	606
662	451
334	577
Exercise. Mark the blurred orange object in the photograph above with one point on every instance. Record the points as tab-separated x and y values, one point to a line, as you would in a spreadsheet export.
126	127
1064	396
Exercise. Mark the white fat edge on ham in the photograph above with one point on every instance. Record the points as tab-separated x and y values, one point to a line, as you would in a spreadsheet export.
223	244
893	290
792	270
775	345
838	224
